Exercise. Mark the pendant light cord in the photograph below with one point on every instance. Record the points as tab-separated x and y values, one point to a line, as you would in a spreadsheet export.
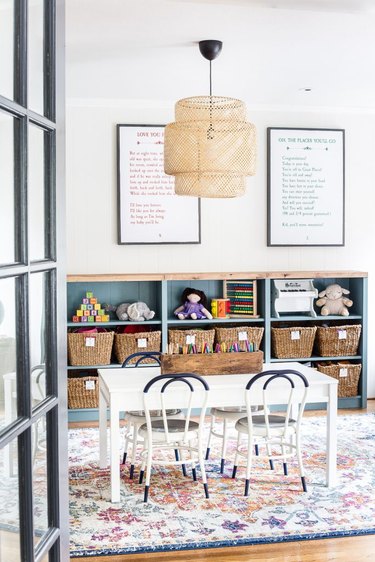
210	129
210	78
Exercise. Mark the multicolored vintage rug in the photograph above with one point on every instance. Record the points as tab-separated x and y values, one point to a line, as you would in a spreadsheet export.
178	516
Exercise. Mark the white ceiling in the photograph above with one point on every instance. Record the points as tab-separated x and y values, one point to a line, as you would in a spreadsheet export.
272	50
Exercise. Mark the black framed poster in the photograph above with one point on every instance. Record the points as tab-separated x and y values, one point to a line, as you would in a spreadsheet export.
306	187
149	211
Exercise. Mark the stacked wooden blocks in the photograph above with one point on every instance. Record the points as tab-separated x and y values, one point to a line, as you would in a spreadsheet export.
90	310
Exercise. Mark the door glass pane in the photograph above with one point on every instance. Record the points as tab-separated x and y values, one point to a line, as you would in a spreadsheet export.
7	244
8	406
35	69
6	48
39	479
9	512
36	193
38	336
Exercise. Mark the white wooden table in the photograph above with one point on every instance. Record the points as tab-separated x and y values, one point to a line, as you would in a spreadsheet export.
121	390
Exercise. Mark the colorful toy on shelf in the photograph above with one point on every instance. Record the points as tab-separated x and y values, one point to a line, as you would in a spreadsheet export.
90	310
220	308
242	295
194	305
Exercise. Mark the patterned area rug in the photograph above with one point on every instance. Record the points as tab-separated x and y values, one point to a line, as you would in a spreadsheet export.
178	516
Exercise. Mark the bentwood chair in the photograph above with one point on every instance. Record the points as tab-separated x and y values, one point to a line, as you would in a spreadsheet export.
135	419
164	436
280	433
227	415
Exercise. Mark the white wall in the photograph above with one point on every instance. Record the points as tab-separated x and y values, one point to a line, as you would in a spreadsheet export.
233	231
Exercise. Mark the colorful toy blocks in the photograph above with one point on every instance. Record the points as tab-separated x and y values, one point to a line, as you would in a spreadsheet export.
90	310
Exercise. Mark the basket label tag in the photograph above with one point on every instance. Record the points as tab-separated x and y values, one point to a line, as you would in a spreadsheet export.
90	342
242	336
90	385
295	335
342	334
142	342
190	339
343	372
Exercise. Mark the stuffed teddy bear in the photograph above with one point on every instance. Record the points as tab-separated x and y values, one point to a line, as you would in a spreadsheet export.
194	305
136	312
332	300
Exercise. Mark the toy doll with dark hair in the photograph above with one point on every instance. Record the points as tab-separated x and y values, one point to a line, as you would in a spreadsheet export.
194	305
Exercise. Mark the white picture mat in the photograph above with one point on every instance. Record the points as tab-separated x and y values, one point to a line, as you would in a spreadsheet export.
305	187
149	210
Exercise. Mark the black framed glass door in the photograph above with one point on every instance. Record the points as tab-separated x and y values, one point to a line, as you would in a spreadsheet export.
33	420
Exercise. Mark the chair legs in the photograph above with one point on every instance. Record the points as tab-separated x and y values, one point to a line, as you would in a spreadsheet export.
179	455
133	438
286	451
223	436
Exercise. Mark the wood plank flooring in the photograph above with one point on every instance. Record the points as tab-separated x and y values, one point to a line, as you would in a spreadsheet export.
347	549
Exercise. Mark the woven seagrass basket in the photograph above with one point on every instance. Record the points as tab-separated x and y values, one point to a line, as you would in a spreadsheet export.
294	342
196	337
338	340
346	373
83	392
126	344
90	349
236	335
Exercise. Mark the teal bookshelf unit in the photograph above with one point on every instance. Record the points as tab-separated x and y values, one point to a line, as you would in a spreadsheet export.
162	293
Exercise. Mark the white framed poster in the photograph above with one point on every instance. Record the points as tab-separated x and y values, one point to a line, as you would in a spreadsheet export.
306	187
149	211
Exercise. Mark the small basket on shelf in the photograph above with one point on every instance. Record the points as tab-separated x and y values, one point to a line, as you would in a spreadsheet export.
293	342
338	340
198	338
126	344
87	348
239	335
83	392
346	373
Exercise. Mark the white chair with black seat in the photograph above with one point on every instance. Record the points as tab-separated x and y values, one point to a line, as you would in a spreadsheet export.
135	419
275	431
167	435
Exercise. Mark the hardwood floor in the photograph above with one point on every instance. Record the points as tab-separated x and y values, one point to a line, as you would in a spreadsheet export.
347	549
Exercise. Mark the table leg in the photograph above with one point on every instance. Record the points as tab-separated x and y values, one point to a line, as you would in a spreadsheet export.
114	453
331	475
103	446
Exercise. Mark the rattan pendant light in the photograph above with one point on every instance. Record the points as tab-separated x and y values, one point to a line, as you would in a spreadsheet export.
210	147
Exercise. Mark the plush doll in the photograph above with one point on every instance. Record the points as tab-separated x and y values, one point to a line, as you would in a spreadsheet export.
136	312
121	310
194	307
139	311
332	300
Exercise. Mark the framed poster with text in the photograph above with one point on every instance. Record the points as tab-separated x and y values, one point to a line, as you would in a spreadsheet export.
149	212
306	187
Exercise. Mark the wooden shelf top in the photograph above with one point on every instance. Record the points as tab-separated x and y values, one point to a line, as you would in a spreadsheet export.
106	277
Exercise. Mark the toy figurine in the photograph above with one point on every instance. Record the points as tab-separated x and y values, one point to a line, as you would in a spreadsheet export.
194	307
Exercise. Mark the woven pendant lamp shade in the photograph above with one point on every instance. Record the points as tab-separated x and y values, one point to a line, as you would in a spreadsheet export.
210	147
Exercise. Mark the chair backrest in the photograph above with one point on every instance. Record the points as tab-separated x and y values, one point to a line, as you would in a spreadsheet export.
183	390
140	356
288	386
38	382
